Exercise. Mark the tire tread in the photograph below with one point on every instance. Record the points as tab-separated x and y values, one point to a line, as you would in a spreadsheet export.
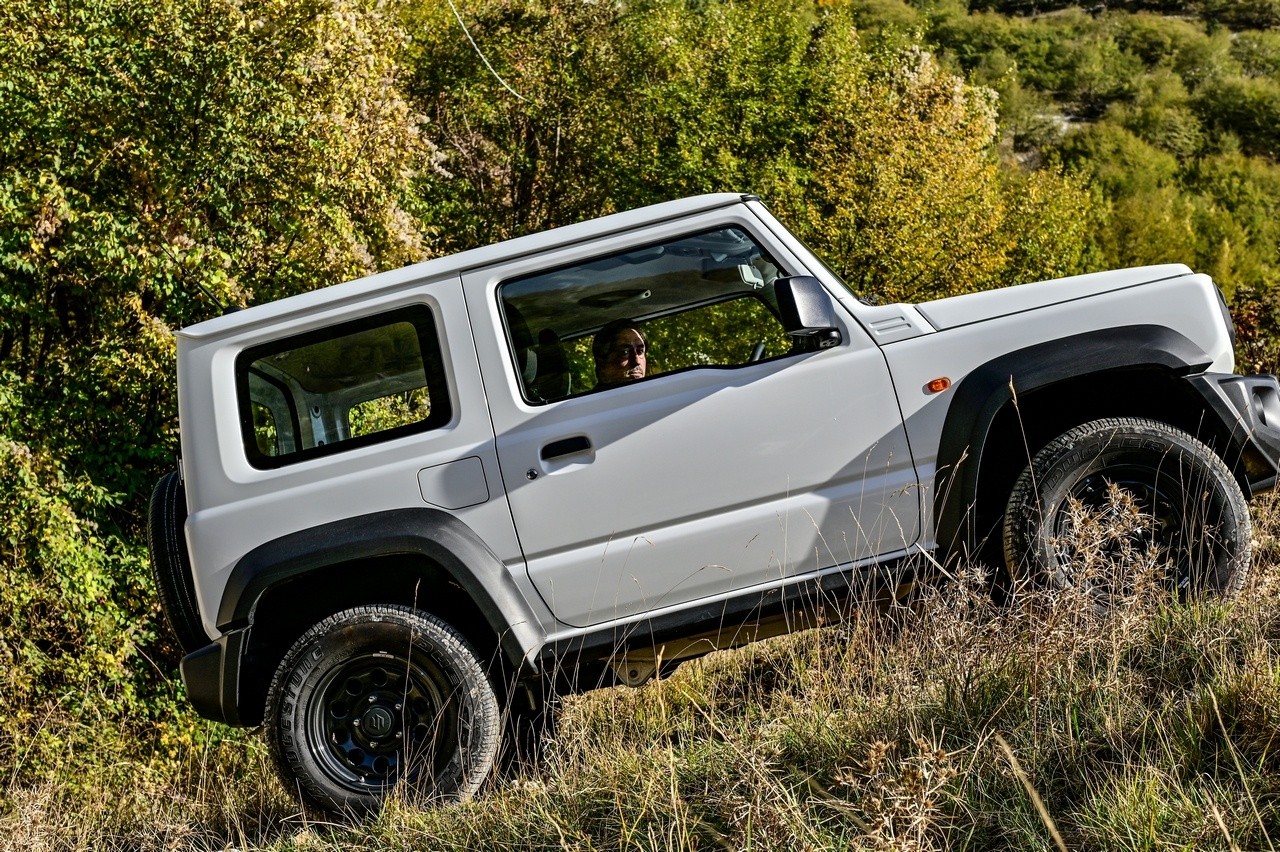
451	645
1025	500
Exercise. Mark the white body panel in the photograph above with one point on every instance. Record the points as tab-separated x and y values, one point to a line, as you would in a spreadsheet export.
1186	303
703	481
235	507
969	308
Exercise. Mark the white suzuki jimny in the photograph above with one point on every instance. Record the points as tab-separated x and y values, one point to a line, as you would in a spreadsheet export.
408	502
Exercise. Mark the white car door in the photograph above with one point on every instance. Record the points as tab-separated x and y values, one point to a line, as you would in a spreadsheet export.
735	463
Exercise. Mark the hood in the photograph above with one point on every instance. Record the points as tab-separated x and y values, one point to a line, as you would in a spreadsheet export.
977	307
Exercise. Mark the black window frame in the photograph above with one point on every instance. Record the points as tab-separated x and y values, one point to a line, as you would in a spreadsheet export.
423	320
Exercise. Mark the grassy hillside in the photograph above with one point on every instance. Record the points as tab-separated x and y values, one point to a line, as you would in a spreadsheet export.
950	725
162	158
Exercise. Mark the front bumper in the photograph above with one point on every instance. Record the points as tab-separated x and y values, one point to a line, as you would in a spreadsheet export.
1249	407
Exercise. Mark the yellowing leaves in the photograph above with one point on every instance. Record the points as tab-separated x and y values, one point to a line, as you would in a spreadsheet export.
883	160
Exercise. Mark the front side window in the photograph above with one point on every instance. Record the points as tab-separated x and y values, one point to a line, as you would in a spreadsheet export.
345	386
704	300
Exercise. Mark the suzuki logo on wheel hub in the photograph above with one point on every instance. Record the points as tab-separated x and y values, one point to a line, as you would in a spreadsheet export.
377	722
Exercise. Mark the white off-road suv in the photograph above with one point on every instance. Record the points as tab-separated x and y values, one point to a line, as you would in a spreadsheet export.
409	502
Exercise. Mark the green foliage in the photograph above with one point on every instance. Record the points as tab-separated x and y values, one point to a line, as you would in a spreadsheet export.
719	334
157	151
1258	53
1248	108
1257	319
649	101
1157	40
869	154
1243	14
1160	114
963	225
156	158
77	623
388	412
1171	118
886	15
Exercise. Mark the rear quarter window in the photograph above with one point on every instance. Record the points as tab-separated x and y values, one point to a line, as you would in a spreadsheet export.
345	386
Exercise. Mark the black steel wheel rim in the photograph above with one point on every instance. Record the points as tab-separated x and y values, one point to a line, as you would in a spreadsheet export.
380	718
1164	491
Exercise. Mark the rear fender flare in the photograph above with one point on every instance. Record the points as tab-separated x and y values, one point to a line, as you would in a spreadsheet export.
434	535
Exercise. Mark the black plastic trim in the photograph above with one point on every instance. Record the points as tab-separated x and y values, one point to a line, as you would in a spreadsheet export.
565	447
212	677
437	536
295	424
869	583
980	396
1254	441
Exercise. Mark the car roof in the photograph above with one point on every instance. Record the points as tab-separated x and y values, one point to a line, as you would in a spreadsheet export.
412	275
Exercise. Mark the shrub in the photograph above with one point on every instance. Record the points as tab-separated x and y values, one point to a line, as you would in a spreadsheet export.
78	625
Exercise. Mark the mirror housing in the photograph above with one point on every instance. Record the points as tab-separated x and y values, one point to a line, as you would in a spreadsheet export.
805	310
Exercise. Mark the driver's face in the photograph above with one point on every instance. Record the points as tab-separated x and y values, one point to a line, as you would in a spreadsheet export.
626	359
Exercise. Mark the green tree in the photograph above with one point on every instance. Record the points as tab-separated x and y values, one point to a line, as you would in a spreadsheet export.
158	159
883	159
1258	53
1161	115
1248	107
162	156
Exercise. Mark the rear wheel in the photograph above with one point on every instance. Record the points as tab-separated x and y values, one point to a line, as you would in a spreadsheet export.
1145	488
382	698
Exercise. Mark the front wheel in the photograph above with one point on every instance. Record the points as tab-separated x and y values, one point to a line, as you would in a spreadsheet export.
379	698
1113	489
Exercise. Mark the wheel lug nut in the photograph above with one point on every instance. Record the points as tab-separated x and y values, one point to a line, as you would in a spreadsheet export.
399	734
355	723
399	706
373	698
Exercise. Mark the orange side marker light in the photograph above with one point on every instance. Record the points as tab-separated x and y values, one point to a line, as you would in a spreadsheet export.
938	385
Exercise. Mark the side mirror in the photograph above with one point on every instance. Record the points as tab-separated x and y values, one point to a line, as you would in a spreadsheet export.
806	311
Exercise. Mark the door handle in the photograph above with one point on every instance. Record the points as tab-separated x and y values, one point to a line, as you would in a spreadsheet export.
565	447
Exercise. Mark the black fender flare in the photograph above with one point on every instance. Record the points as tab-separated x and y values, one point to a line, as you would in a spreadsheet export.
980	396
437	536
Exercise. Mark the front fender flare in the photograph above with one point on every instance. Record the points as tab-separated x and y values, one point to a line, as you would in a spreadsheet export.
981	395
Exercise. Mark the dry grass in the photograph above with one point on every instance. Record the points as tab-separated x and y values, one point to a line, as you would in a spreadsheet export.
953	724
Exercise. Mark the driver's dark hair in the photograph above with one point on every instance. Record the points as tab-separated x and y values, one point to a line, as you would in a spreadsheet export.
605	336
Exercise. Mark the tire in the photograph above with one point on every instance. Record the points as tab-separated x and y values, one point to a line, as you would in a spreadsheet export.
428	723
170	563
1191	506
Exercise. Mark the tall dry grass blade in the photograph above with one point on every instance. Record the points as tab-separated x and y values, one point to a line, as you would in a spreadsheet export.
1244	781
1217	817
1031	791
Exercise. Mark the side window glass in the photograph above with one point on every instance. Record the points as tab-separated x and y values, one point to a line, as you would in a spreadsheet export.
701	301
349	385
